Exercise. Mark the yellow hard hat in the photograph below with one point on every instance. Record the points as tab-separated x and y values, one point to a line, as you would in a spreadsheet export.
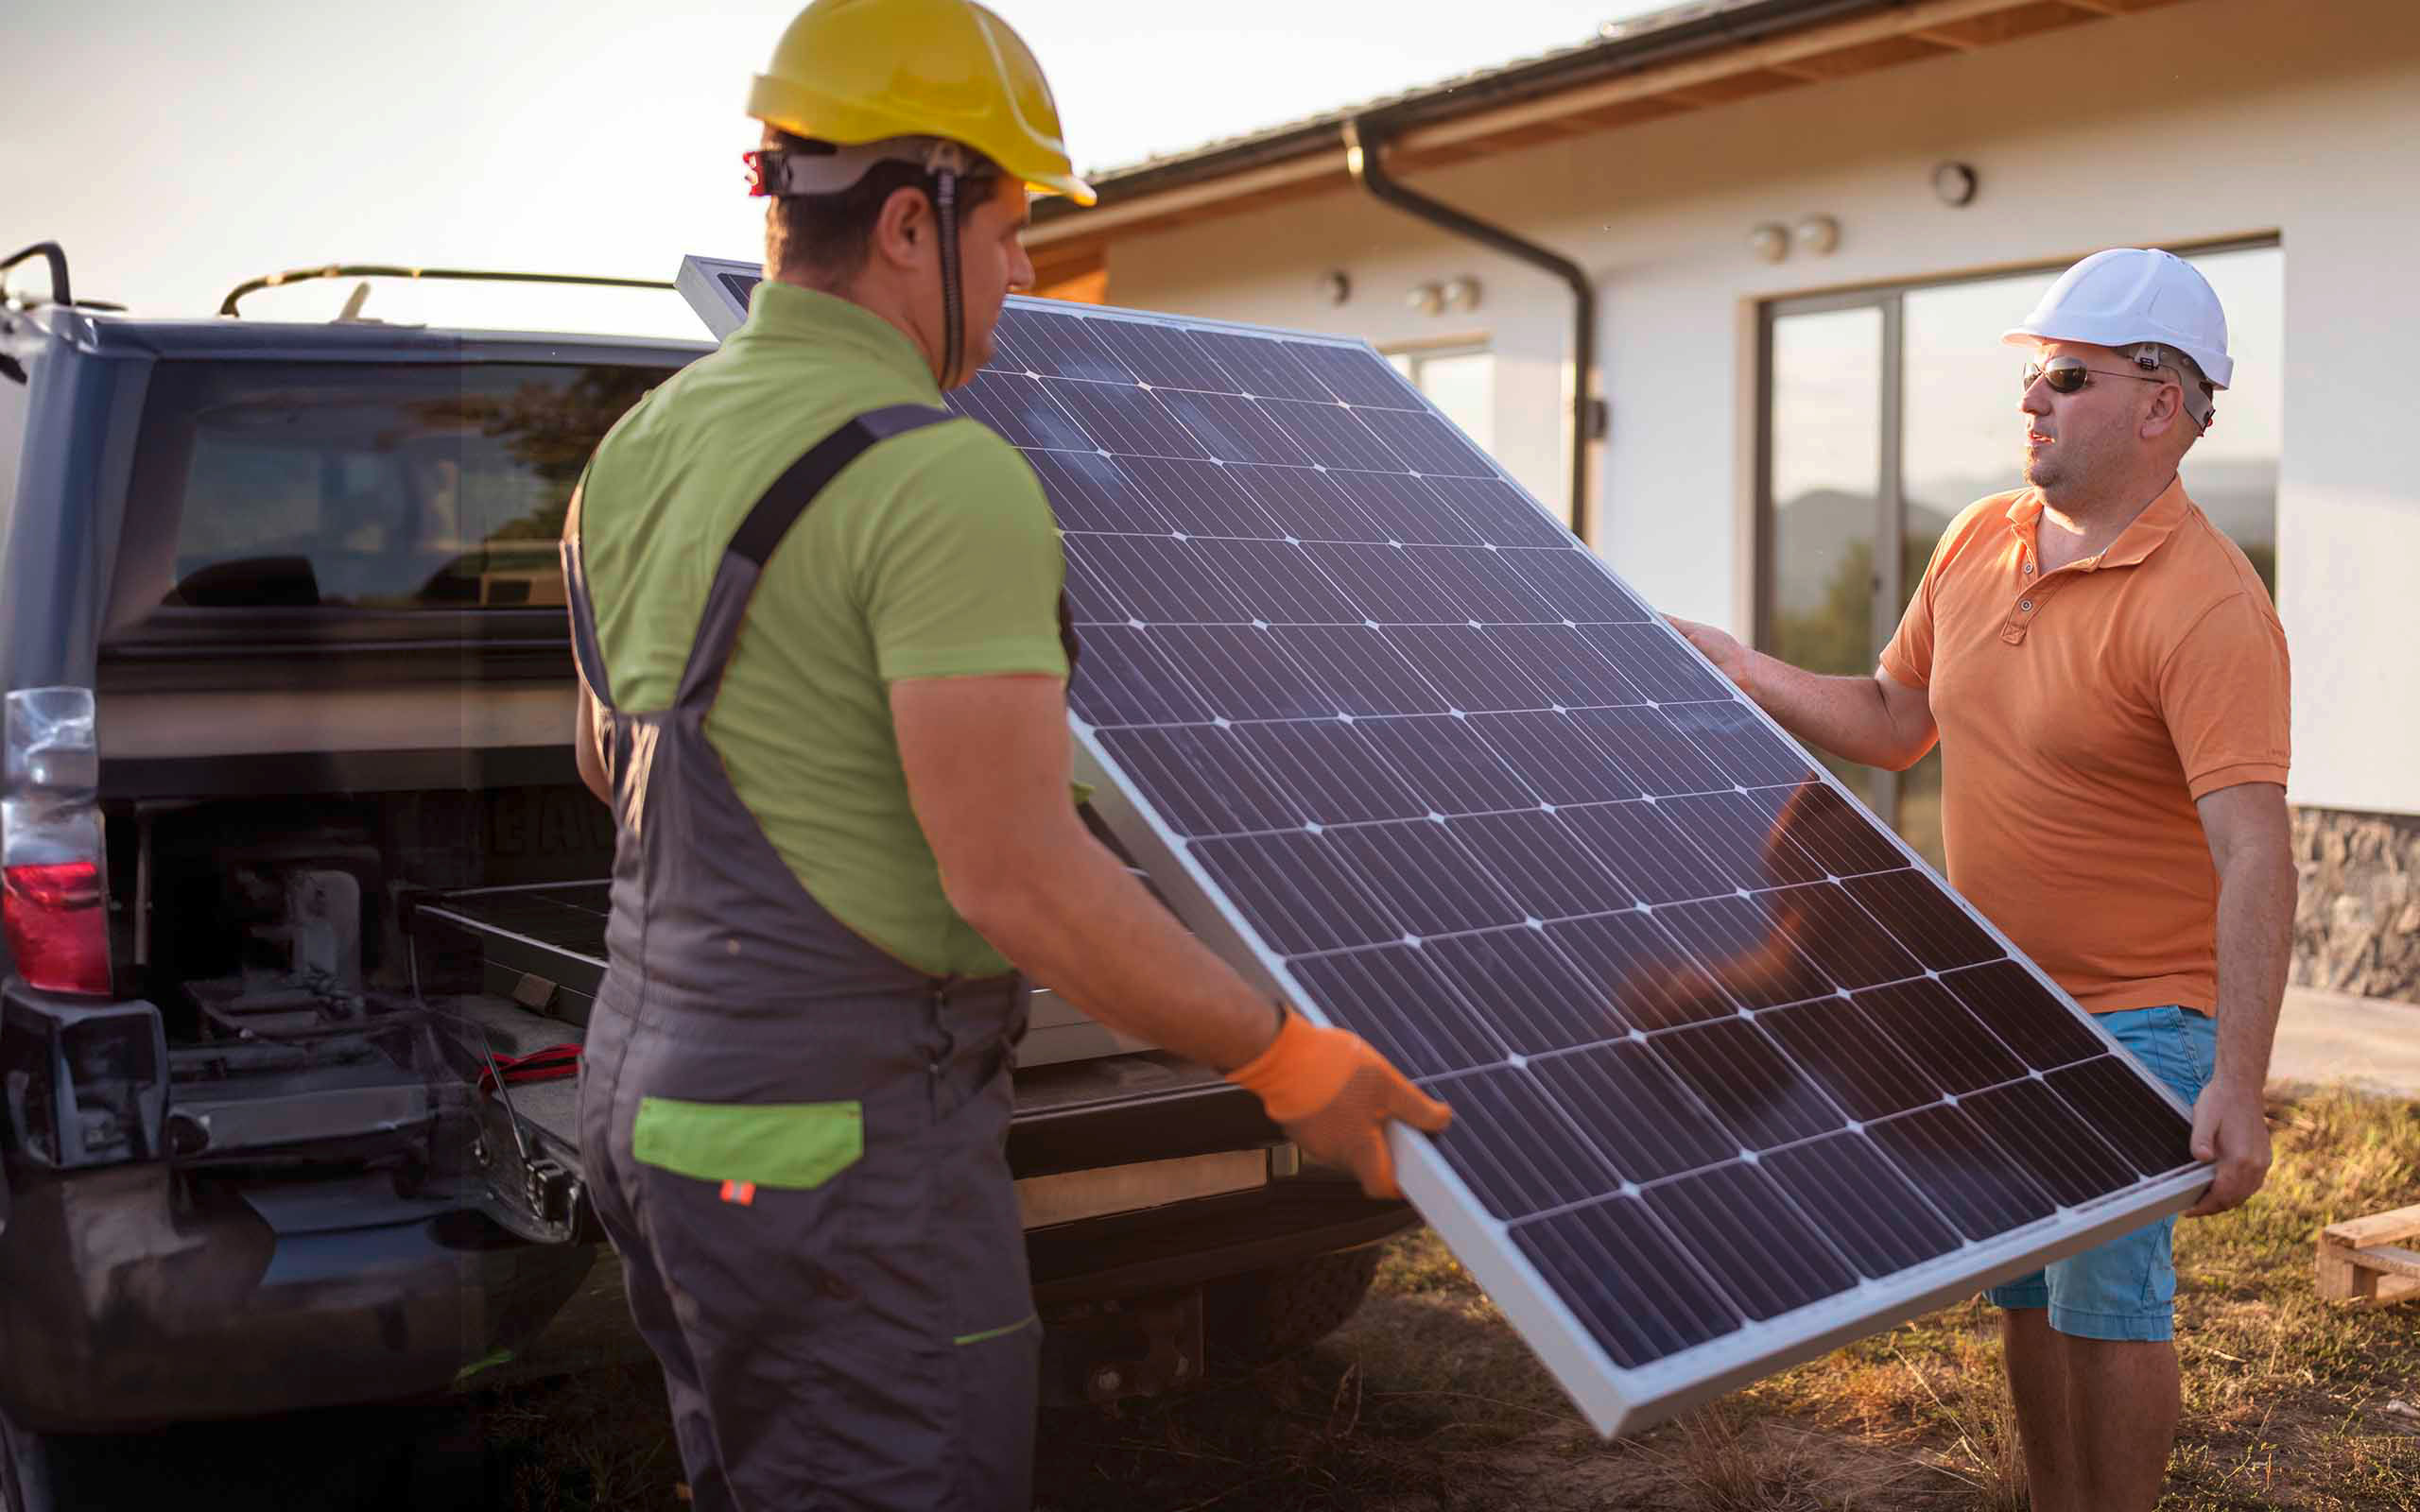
856	71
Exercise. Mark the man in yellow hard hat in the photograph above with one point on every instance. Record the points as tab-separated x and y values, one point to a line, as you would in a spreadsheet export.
823	686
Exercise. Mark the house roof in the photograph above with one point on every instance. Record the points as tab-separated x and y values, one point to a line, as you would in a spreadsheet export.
1686	57
1532	73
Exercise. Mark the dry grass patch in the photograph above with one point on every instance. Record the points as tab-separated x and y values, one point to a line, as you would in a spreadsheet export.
1426	1401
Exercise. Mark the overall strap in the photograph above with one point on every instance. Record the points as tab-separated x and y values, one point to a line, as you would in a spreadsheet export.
752	544
585	645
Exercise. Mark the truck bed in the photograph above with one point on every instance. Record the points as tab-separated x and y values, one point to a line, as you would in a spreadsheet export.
1084	1096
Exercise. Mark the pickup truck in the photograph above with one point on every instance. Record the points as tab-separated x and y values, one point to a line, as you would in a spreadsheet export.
301	889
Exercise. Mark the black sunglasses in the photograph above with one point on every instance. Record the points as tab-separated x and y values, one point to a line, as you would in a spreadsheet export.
2066	374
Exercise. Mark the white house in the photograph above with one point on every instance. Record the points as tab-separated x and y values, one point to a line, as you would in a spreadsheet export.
1805	224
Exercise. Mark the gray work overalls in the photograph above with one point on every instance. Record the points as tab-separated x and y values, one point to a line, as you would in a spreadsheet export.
795	1140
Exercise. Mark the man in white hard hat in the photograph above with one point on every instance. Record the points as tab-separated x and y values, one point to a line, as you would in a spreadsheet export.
2108	683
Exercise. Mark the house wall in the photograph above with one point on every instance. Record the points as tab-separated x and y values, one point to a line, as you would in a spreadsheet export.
2201	121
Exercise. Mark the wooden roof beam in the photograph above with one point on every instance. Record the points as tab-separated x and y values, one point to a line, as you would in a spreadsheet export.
1792	48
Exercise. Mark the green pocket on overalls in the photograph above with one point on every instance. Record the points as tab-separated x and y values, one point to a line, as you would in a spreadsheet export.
783	1146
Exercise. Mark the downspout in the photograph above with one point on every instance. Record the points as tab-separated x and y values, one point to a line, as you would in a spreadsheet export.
1362	151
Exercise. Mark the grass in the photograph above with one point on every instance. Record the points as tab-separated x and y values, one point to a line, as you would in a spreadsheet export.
1426	1402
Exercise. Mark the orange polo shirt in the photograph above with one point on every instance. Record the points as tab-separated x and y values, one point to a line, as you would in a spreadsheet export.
2083	712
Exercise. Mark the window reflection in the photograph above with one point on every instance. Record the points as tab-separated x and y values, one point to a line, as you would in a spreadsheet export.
1959	436
404	488
1461	382
1826	483
2232	473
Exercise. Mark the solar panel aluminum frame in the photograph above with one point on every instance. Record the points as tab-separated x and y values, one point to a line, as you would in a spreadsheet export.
1615	1399
514	949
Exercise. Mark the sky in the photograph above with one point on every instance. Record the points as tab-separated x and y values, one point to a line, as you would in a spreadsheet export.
177	149
175	152
1963	432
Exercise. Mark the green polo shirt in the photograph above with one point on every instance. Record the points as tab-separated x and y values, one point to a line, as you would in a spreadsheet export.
934	555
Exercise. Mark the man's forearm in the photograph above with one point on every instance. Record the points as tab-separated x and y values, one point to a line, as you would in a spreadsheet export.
1846	716
1096	937
2256	941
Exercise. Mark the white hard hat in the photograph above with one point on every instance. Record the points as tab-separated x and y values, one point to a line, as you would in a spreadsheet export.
2127	295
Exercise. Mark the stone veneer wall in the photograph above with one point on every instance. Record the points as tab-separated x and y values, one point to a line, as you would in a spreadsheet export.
2357	923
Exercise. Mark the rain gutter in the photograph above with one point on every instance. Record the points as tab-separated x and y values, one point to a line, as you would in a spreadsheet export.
1365	155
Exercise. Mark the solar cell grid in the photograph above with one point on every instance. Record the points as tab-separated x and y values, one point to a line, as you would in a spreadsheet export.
1504	814
1733	1220
1481	585
1196	498
1333	436
1355	377
1562	666
1862	1203
1629	1102
1277	582
1548	868
1427	444
1444	763
1056	349
1126	420
1332	770
1482	807
1612	1263
1403	509
1159	354
1232	428
1395	998
1425	876
1520	984
1363	672
1553	755
1645	972
1519	1154
1465	666
1494	512
1654	860
1262	367
1022	410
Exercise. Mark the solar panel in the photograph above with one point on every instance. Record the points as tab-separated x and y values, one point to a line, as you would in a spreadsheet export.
1736	1079
554	930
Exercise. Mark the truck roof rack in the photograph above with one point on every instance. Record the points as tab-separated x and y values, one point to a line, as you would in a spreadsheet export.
226	306
56	256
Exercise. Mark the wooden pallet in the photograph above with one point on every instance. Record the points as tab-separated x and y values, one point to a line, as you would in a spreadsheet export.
2362	1260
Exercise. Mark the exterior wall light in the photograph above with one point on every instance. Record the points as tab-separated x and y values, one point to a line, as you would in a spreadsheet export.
1426	298
1817	234
1770	242
1462	292
1955	183
1336	285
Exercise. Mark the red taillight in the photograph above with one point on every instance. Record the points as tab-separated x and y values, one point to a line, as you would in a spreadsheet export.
54	877
59	928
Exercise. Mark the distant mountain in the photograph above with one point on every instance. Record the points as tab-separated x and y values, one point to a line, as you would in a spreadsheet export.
1815	530
2240	498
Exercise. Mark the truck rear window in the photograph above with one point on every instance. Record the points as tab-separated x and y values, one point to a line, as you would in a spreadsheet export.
338	485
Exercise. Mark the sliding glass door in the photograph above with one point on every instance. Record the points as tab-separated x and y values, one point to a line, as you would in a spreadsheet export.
1887	411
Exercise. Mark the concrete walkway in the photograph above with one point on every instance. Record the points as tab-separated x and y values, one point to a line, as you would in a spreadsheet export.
2326	1037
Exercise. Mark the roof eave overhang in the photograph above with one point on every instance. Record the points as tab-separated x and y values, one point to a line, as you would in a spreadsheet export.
1703	56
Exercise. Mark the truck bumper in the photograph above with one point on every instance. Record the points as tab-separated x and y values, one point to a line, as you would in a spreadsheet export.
130	1300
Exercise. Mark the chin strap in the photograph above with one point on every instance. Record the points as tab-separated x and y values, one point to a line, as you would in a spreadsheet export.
822	168
953	310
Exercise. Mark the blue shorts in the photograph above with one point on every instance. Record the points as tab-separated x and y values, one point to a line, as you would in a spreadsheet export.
2126	1288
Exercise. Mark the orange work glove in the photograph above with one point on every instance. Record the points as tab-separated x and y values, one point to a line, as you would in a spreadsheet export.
1333	1094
